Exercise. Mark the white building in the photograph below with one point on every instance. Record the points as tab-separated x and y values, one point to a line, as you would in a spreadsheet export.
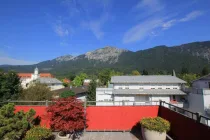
134	90
44	78
199	98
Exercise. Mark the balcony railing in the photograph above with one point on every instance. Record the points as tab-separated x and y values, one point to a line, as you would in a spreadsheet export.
178	104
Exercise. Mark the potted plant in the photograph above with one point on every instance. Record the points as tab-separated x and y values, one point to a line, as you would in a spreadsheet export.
39	133
67	116
154	128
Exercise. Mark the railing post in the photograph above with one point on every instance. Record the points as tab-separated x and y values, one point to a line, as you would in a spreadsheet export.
198	117
85	106
46	102
160	102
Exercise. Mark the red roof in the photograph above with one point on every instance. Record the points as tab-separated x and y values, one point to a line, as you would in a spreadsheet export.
24	75
28	75
65	80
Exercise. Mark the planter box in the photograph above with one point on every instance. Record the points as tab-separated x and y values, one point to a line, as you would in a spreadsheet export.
67	137
152	135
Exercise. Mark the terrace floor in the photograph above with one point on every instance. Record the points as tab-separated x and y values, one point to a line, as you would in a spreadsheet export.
107	136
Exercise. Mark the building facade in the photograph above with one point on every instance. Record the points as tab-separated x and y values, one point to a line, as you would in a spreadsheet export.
199	97
134	90
45	78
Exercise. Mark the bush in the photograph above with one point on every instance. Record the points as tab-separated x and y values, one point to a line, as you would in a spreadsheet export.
67	94
39	133
14	125
157	124
67	115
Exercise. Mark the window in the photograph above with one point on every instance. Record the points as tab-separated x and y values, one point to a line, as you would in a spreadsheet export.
167	88
141	88
126	87
159	88
152	88
174	88
120	88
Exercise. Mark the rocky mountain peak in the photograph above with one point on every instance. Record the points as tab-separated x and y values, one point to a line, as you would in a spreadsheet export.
107	54
64	58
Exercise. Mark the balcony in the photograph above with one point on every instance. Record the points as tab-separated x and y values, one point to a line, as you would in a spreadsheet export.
176	103
125	118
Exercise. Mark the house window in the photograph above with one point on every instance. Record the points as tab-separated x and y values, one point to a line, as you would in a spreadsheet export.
120	88
126	87
167	88
141	88
159	88
152	88
174	88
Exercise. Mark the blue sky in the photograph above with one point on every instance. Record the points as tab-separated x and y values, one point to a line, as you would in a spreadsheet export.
35	30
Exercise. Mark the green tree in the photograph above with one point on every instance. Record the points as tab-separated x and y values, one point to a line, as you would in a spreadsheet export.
67	94
10	86
188	78
145	72
36	92
13	126
105	75
205	71
78	80
71	76
135	72
184	70
91	93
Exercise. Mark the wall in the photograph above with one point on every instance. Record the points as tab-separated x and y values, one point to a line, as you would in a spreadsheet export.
104	94
184	128
118	117
56	86
147	86
200	84
104	118
196	103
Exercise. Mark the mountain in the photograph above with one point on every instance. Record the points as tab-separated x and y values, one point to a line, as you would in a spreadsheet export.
194	56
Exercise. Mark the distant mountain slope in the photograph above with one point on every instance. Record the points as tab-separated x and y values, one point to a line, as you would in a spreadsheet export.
194	56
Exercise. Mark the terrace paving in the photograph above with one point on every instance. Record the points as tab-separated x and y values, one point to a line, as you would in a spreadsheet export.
107	136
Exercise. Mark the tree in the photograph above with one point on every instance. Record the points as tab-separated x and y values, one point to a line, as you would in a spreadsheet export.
145	72
36	92
78	80
67	115
13	125
205	71
10	86
91	93
71	76
105	75
67	94
188	78
184	70
135	72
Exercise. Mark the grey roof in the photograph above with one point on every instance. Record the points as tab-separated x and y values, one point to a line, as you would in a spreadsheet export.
149	91
206	77
147	79
46	80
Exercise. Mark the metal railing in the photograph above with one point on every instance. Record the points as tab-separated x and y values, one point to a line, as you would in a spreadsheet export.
193	115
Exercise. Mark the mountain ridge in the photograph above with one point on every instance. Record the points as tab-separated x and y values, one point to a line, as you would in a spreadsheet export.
194	56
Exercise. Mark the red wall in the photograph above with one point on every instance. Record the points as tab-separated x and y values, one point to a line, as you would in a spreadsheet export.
184	128
40	111
117	117
105	118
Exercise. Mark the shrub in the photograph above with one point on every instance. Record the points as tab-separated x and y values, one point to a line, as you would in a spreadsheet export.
14	125
157	124
39	133
67	115
67	94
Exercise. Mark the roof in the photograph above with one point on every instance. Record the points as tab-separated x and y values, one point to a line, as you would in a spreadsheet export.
45	80
46	75
202	78
28	75
147	79
76	90
149	91
24	75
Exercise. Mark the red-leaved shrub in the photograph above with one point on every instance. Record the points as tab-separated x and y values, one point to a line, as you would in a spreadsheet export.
67	115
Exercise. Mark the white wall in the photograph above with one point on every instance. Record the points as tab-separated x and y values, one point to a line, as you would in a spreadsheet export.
55	86
206	97
196	103
147	86
104	94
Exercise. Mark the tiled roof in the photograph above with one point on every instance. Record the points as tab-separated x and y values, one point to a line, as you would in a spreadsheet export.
149	91
45	80
46	75
147	79
24	75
